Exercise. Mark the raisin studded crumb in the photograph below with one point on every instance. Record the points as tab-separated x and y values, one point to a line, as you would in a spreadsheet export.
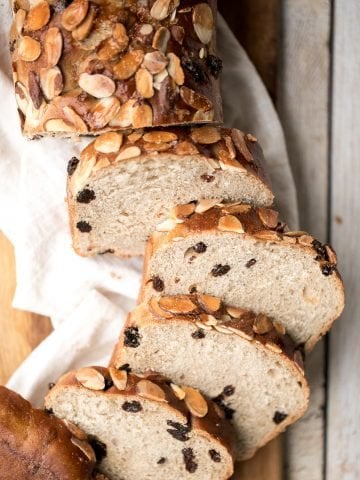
220	270
189	460
200	247
279	417
158	284
198	334
250	263
178	431
215	456
161	461
207	178
84	227
85	196
328	269
132	337
132	407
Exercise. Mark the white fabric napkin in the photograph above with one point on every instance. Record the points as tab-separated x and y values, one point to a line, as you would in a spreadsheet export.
88	298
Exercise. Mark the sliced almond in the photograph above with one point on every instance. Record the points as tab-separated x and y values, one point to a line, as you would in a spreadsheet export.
74	14
178	33
306	240
230	146
159	79
262	324
34	89
148	389
19	20
120	36
58	125
178	391
179	304
240	144
119	378
203	326
155	308
214	164
205	204
155	62
75	119
135	136
90	378
84	29
163	8
241	333
29	49
267	235
53	45
209	303
331	254
160	136
201	116
279	327
97	85
38	16
127	153
142	116
230	223
166	225
128	64
103	111
75	430
208	320
251	138
195	402
203	21
161	39
109	142
235	312
51	81
194	99
108	50
156	147
299	361
205	135
184	211
223	329
269	217
186	148
22	97
85	447
146	29
175	70
144	83
296	233
273	347
124	117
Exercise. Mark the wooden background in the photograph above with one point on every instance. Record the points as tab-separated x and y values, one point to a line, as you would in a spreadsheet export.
308	54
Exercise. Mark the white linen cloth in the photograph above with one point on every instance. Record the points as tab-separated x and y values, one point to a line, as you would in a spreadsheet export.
87	298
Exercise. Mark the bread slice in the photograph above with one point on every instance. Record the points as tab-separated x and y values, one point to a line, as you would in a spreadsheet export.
245	256
125	184
34	444
243	361
150	428
88	67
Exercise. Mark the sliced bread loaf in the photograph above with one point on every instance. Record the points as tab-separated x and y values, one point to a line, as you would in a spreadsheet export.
125	184
34	444
244	255
244	361
149	427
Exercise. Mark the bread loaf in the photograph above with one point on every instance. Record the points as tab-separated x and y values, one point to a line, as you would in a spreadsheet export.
245	256
34	444
244	361
84	67
125	184
149	427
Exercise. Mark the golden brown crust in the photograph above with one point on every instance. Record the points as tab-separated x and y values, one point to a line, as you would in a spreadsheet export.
35	444
211	424
92	66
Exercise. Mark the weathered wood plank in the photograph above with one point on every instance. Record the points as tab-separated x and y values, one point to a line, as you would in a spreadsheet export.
303	106
343	418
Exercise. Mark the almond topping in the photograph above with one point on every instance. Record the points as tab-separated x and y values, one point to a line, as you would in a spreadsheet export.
230	223
75	430
154	306
230	146
29	49
241	333
148	389
103	111
267	235
156	147
279	327
155	62
166	225
124	117
90	378
146	29
22	97
74	14
208	320
119	378
97	85
186	148
178	391
183	211
127	153
251	138
240	144
53	45
223	329
160	136
204	204
235	312
269	218
306	240
144	83
108	50
109	142
51	81
195	402
209	303
299	361
262	324
59	125
38	16
75	119
142	116
135	136
83	30
19	21
161	39
331	254
128	64
175	70
201	116
120	36
179	304
85	447
203	21
163	8
194	99
273	347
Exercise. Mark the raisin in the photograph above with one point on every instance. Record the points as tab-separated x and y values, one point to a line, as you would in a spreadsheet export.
85	196
279	417
108	383
84	227
195	69
99	448
109	250
71	167
198	334
49	411
179	431
189	460
132	337
320	250
158	284
125	367
214	64
207	178
200	247
215	456
132	407
60	5
250	263
229	390
51	385
161	460
220	270
328	269
193	289
228	411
